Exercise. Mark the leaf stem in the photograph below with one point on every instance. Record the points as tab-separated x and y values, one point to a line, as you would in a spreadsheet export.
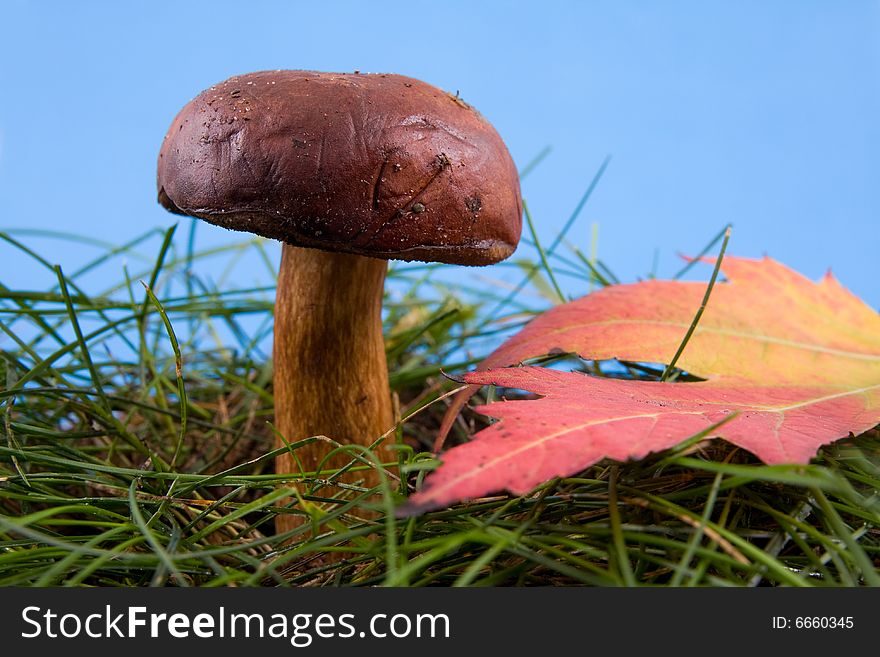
692	261
535	161
668	371
556	242
178	371
543	254
623	565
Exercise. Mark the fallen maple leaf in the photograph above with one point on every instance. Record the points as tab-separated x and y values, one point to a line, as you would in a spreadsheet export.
798	363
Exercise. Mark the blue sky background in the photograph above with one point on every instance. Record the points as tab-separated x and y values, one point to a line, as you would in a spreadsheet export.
760	113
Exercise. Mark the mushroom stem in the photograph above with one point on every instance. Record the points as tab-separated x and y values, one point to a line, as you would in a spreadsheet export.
331	374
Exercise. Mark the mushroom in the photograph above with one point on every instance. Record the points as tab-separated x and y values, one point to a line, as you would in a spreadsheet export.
348	171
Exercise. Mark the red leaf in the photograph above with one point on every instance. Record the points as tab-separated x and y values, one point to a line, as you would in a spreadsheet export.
798	362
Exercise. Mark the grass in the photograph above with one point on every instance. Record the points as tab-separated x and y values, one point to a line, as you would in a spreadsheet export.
136	449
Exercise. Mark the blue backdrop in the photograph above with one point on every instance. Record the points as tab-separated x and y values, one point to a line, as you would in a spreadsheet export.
761	114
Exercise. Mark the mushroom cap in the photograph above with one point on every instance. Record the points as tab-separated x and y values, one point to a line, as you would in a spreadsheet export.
379	165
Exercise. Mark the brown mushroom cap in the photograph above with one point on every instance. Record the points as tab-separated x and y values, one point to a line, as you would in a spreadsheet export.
377	165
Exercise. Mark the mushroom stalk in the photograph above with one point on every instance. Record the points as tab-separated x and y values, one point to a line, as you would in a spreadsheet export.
330	369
